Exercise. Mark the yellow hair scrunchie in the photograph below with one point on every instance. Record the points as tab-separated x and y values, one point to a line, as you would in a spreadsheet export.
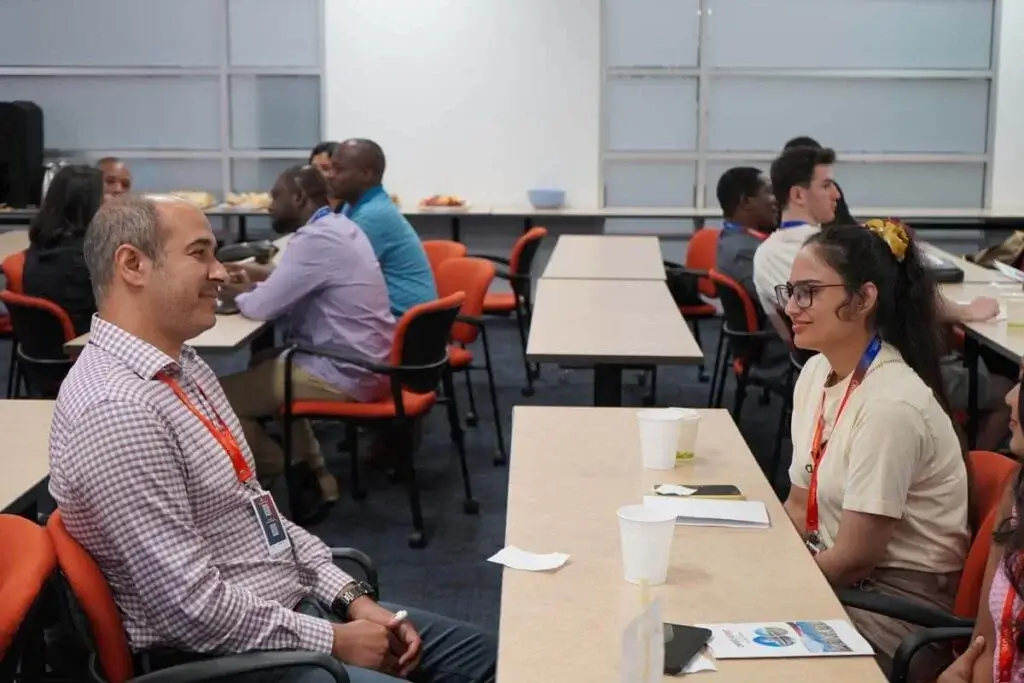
893	233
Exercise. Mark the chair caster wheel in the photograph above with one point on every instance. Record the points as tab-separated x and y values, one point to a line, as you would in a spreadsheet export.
500	460
470	507
417	540
472	420
527	391
359	494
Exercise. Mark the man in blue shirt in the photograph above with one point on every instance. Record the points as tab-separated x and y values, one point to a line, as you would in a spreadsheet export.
358	171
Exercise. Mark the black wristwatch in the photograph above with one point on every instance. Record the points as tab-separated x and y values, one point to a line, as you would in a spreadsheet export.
349	594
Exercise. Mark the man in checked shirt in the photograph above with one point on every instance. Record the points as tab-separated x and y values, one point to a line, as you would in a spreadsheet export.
153	476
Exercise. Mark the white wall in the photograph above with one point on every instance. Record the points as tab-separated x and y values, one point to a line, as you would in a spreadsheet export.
1008	165
480	98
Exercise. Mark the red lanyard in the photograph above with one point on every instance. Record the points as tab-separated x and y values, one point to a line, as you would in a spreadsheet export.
1008	637
819	444
219	430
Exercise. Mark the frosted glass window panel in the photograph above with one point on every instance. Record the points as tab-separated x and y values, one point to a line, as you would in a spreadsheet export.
850	34
925	186
650	33
263	33
879	185
160	175
850	115
651	114
258	175
275	112
636	184
123	112
111	33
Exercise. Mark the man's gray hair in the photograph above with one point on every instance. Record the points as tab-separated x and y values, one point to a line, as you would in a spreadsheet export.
128	219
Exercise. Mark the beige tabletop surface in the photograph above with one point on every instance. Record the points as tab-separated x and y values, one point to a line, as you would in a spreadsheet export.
571	468
25	460
606	257
12	241
1006	339
972	272
609	321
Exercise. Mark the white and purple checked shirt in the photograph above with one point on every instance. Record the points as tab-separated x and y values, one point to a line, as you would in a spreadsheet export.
151	494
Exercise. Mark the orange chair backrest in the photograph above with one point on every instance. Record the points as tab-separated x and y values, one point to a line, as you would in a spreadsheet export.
439	251
521	260
93	594
991	473
445	305
473	277
14	271
740	298
702	254
27	561
12	299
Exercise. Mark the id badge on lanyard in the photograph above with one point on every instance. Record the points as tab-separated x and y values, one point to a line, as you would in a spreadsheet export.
813	538
264	508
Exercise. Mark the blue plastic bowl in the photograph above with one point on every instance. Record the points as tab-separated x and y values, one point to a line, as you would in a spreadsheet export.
546	199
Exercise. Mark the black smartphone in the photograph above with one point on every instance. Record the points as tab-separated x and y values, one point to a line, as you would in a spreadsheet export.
682	644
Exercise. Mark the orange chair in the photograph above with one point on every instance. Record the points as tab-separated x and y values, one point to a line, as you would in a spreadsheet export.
991	474
743	337
26	563
13	268
42	328
419	360
439	251
473	277
112	659
701	257
519	300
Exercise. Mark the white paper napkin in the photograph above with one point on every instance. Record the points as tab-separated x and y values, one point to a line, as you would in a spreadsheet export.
516	558
698	664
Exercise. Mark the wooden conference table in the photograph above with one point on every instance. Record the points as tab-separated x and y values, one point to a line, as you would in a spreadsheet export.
13	241
571	468
611	325
606	257
25	463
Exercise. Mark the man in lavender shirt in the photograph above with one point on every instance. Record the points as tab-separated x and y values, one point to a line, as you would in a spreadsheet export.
329	284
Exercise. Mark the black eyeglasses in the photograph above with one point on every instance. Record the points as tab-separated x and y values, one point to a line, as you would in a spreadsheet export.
802	293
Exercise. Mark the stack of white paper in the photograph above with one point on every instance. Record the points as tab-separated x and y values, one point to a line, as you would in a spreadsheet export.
749	514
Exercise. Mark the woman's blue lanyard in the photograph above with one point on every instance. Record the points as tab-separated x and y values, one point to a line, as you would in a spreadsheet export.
792	224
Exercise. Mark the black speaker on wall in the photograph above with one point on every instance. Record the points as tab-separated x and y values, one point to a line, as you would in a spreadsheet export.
21	154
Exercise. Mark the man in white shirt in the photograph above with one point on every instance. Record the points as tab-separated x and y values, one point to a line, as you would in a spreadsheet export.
806	191
805	188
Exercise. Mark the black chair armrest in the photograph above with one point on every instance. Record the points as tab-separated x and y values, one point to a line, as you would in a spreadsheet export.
358	361
742	334
495	259
251	662
673	265
901	608
469	320
364	562
904	655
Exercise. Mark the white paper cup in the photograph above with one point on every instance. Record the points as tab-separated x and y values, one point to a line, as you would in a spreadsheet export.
646	535
659	436
1014	307
689	423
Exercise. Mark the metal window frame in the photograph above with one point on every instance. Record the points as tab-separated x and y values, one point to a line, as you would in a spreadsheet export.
226	154
705	74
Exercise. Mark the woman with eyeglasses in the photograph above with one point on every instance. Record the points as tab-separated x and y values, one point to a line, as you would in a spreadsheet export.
879	474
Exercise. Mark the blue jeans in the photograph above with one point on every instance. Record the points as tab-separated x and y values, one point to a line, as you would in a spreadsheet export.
453	652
